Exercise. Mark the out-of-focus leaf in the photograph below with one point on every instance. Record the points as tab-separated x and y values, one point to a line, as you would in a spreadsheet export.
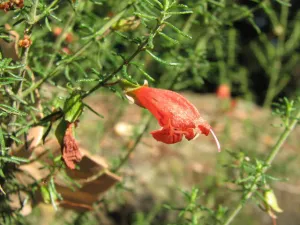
60	131
73	108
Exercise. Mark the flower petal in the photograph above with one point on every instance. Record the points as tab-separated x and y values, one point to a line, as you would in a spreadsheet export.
165	105
164	135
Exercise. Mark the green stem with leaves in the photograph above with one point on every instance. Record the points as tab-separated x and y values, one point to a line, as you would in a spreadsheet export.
141	47
275	150
91	40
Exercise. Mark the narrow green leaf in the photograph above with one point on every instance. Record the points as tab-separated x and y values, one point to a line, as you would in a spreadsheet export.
158	3
252	22
162	61
48	24
60	131
80	69
2	142
179	13
217	3
146	74
52	193
168	38
177	30
275	178
143	72
148	10
143	15
9	80
13	159
181	6
45	194
111	22
150	41
121	34
149	3
17	98
284	2
67	73
23	130
3	114
17	140
11	110
2	173
96	2
126	75
55	17
87	80
92	110
19	159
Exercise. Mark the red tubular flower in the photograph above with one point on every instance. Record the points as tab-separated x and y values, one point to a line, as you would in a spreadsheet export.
174	113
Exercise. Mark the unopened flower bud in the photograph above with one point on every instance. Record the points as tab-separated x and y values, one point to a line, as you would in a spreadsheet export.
271	200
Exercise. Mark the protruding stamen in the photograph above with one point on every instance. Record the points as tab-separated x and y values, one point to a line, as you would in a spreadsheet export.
216	140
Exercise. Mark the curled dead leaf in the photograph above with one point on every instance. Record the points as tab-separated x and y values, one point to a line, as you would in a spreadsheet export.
71	152
92	174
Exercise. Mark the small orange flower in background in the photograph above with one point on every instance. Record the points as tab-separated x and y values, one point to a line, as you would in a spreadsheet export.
223	91
69	38
66	50
25	42
57	32
224	94
5	6
11	4
174	113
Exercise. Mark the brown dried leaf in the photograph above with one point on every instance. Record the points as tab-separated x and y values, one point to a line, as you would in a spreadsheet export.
93	176
71	153
10	49
89	192
33	139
